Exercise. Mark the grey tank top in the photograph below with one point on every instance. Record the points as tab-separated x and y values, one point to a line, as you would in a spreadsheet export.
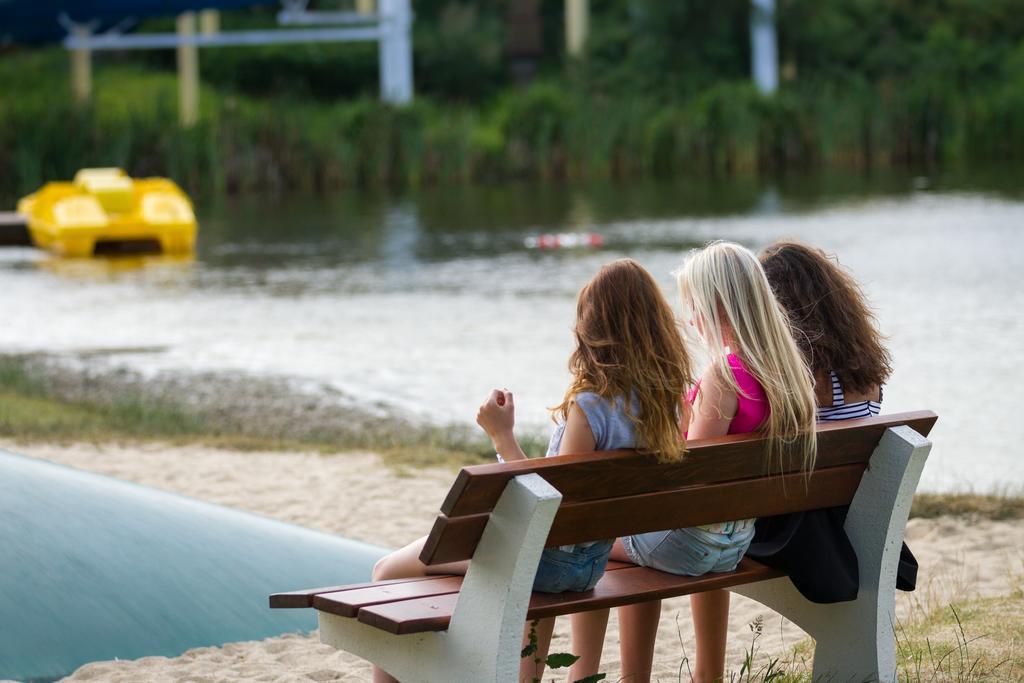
610	425
609	422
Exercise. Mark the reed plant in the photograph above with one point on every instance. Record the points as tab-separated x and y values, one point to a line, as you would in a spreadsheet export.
554	129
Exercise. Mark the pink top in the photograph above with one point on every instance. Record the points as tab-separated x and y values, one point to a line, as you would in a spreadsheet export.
751	402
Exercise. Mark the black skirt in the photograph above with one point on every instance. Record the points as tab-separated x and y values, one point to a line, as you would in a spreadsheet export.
814	550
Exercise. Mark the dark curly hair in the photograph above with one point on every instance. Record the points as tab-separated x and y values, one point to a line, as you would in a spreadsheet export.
832	323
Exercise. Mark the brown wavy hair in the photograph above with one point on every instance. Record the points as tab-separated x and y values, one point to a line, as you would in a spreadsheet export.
628	345
832	322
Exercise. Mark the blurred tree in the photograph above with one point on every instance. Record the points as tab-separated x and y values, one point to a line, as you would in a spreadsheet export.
458	54
667	48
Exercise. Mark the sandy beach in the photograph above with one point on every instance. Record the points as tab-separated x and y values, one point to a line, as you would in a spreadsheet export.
959	558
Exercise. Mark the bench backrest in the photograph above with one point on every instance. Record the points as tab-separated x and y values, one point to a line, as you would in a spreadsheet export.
607	494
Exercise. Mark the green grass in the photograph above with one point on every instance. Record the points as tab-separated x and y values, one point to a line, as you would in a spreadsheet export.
27	412
976	640
32	410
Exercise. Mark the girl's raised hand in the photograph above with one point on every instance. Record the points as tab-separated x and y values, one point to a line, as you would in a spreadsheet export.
497	415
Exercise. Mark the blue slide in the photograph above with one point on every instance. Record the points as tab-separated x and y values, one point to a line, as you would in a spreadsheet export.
93	568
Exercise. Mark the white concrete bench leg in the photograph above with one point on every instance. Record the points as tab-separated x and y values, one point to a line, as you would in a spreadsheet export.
855	641
484	639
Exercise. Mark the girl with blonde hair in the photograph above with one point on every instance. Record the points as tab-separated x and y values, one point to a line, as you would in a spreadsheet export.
756	381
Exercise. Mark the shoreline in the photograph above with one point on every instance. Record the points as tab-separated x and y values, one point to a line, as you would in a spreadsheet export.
962	559
57	398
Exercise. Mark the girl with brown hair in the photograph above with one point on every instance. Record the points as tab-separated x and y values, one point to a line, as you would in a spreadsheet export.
630	372
833	327
838	336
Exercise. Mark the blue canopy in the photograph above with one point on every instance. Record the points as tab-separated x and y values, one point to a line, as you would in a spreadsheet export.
38	21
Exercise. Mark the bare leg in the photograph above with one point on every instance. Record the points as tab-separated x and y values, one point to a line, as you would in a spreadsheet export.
531	667
588	629
638	630
711	629
382	676
618	553
405	563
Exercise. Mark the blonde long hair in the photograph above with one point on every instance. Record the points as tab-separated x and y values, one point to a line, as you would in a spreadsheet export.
725	283
628	346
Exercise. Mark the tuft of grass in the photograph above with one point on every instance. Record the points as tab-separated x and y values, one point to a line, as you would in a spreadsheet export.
983	506
971	642
757	667
772	670
979	640
27	412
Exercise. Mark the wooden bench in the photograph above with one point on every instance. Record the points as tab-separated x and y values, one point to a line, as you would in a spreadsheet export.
453	628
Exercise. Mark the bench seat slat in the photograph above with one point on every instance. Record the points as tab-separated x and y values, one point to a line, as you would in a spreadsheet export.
304	598
411	616
630	585
347	603
585	476
640	584
454	539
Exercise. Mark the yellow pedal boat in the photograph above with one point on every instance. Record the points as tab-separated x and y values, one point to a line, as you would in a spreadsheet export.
105	210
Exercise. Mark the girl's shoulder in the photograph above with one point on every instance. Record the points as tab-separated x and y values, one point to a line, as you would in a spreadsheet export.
591	403
736	364
715	378
609	419
747	381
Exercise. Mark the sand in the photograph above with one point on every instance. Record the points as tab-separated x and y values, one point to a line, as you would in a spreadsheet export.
959	558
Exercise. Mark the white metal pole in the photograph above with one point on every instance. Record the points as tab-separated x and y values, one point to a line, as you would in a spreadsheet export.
188	72
577	20
395	51
764	52
81	68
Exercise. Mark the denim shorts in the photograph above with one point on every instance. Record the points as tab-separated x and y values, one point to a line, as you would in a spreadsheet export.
577	569
691	551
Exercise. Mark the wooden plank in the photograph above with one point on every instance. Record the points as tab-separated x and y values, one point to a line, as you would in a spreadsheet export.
705	505
348	602
454	539
304	598
641	584
589	476
630	585
613	565
411	616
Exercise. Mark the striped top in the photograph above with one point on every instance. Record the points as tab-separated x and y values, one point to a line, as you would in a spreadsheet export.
841	410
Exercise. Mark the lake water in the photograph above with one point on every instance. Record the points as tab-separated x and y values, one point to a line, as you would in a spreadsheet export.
422	303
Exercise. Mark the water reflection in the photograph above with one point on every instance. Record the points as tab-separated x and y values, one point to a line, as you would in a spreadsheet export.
107	268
